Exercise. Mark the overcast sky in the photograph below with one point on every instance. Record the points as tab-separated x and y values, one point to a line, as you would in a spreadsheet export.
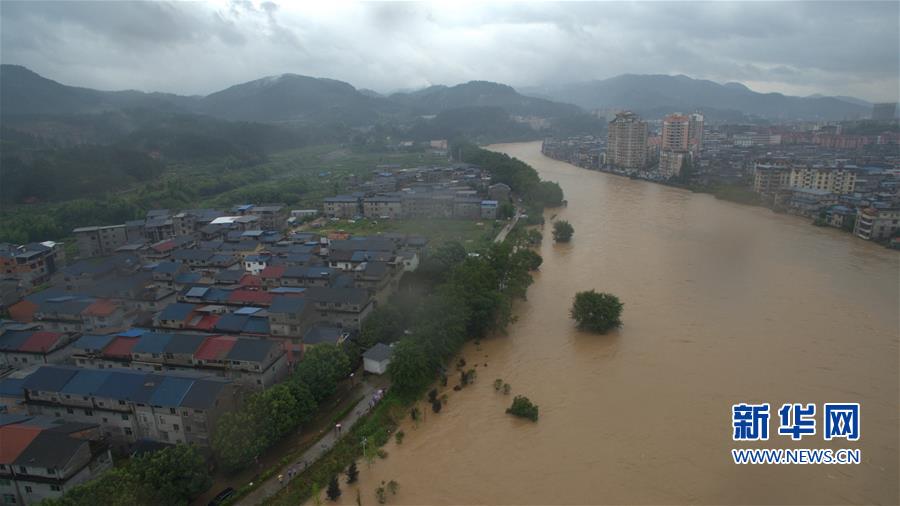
798	48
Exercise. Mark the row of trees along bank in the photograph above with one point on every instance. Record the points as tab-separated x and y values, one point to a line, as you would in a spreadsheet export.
521	177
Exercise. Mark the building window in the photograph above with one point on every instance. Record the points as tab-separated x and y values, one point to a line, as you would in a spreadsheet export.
70	411
55	488
125	417
89	412
175	427
127	431
172	410
5	483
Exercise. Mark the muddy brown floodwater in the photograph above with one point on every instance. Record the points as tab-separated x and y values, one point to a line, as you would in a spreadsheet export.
724	303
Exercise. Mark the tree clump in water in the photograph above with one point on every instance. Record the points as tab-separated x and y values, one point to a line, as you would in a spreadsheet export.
596	311
563	231
524	408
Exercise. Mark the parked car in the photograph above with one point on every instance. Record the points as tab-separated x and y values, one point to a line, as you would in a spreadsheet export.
222	497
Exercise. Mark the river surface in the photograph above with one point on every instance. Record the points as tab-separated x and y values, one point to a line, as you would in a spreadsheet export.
724	303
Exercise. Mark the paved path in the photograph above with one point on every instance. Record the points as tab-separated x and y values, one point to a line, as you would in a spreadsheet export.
509	226
314	452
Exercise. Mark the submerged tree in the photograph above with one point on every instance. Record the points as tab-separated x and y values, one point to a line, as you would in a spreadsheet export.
562	231
596	312
334	489
352	473
523	407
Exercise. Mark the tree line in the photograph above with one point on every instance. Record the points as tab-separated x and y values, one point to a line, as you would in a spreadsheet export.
266	417
174	476
472	298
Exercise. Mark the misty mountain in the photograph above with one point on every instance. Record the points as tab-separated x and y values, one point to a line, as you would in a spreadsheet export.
23	92
652	95
283	98
292	97
437	99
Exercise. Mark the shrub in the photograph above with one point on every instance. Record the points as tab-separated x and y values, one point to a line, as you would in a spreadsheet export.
523	407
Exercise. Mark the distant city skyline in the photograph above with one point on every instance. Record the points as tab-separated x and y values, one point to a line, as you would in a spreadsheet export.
795	48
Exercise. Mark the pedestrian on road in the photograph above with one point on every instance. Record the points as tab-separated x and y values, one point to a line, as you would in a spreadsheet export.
281	479
337	429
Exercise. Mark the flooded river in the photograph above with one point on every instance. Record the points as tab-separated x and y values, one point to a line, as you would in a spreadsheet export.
724	303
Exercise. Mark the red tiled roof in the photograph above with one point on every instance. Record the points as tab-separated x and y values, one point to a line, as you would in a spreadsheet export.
40	341
215	348
120	346
103	307
250	296
273	272
15	439
207	322
250	280
23	311
164	246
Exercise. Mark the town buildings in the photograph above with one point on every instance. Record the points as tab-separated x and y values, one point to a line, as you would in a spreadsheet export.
97	241
31	264
681	140
627	142
43	457
877	224
166	406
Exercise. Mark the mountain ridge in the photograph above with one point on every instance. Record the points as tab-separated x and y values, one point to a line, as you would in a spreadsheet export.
649	93
293	97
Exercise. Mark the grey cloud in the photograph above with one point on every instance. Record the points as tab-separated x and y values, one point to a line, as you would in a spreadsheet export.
847	48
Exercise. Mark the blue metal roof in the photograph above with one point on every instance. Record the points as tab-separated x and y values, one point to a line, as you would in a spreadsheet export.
49	378
152	343
197	291
86	382
168	267
171	391
184	343
231	323
10	387
12	339
176	311
257	326
95	343
133	333
144	392
203	393
318	334
121	385
287	304
250	350
285	289
248	310
188	277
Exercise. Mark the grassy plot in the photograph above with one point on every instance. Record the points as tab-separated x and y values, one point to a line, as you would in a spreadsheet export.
472	234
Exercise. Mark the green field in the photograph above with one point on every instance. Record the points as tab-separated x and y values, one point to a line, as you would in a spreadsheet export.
474	235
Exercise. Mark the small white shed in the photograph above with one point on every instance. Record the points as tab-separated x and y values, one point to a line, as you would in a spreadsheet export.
377	358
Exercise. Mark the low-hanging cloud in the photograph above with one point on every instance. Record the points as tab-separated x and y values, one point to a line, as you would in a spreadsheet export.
195	48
